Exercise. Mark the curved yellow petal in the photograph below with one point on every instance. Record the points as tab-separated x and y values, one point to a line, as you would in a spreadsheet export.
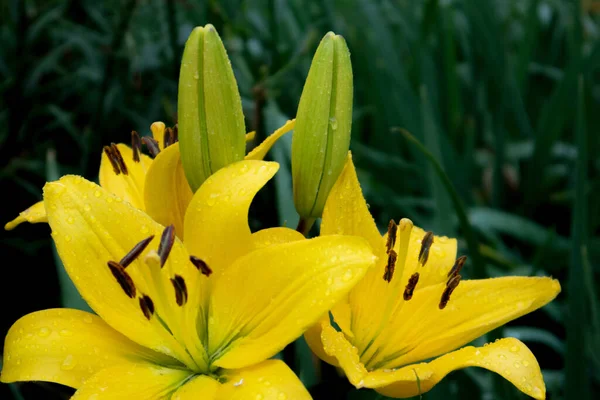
90	227
342	315
130	186
167	192
158	133
67	347
269	380
216	222
133	381
200	387
260	151
34	214
271	236
422	330
250	136
269	297
336	345
508	357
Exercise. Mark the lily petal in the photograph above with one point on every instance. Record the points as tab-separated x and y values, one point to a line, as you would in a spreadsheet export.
342	315
508	357
216	222
34	214
292	285
269	380
90	227
167	192
130	186
250	136
278	235
421	330
260	151
200	387
67	347
336	345
135	381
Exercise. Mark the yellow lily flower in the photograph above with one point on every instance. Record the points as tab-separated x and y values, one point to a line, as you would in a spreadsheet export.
412	306
180	320
124	171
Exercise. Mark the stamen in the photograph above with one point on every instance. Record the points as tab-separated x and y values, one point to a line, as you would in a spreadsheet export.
119	159
181	293
113	161
391	239
168	137
147	306
410	287
390	266
458	264
122	278
175	134
450	286
135	252
166	244
151	145
425	246
201	265
136	145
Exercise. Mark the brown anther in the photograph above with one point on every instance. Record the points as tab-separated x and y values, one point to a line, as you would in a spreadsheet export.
450	286
108	150
151	145
166	244
168	137
147	306
425	246
458	264
181	293
390	266
410	287
119	159
122	278
175	134
391	238
135	252
201	265
136	145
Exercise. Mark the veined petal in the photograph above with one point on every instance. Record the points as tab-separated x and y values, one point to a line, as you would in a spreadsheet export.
200	387
269	380
34	214
67	347
216	222
133	381
421	330
508	357
269	297
278	235
90	227
130	186
167	192
260	151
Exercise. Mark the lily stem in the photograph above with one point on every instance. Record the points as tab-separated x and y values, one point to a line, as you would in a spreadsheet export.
305	224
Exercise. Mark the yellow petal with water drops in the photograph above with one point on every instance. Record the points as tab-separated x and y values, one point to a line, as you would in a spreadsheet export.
508	357
34	214
422	330
128	186
158	133
260	151
336	345
90	227
200	387
133	381
167	192
67	347
269	380
216	222
271	236
292	285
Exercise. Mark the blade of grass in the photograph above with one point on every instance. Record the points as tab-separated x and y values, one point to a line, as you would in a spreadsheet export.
478	270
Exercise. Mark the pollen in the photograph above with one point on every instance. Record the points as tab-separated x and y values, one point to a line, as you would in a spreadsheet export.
136	145
458	264
390	266
410	286
135	252
147	306
122	278
181	294
450	286
113	161
391	238
166	244
171	136
119	159
201	265
151	145
425	246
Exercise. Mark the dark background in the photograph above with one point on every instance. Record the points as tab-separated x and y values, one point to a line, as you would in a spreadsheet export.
504	94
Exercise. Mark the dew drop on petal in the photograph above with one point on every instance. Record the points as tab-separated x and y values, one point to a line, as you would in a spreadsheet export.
68	363
43	332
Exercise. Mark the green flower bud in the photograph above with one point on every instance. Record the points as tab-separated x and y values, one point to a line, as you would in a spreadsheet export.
322	134
210	118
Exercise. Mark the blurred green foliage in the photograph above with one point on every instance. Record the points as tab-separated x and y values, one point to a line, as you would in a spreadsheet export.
503	94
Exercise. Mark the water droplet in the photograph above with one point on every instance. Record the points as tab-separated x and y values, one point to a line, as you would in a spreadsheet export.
196	76
517	365
333	122
70	220
514	349
502	357
282	396
347	276
97	193
329	281
87	319
43	332
87	207
259	396
68	363
67	238
525	363
144	229
65	332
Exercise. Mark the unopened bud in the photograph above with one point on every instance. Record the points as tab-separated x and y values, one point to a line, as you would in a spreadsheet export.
211	121
322	134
